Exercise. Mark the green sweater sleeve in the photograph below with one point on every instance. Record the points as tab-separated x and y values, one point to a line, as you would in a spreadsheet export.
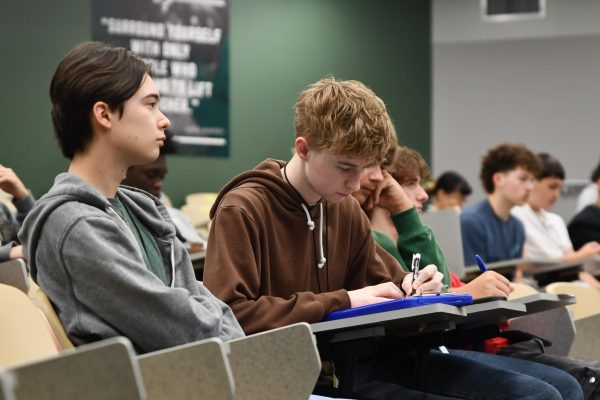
413	237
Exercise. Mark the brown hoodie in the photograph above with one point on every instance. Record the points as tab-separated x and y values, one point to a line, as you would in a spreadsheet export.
262	258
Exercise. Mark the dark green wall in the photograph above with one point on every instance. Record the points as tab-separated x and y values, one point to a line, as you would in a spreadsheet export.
277	48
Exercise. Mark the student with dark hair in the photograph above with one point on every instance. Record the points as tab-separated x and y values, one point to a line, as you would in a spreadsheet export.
107	256
450	190
23	201
589	194
507	174
546	234
585	226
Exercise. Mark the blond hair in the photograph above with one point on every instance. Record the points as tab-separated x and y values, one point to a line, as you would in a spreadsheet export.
344	118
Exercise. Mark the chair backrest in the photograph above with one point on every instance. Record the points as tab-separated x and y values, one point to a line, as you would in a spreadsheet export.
101	370
41	301
24	333
6	386
278	364
521	290
588	298
445	225
586	341
197	207
14	273
184	372
555	325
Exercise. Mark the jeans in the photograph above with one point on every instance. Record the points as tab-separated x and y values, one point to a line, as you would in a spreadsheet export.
566	384
470	375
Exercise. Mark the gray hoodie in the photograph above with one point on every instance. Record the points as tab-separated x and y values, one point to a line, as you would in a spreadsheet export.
83	255
9	224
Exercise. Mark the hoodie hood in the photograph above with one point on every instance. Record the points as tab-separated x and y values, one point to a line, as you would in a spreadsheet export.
70	188
266	174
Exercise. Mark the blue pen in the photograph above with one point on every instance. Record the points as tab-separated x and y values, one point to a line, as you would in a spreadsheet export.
481	264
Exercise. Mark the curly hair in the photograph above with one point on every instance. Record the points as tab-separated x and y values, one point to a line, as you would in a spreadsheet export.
345	118
507	157
408	164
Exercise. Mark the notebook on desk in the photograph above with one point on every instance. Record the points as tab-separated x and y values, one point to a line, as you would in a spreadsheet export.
397	304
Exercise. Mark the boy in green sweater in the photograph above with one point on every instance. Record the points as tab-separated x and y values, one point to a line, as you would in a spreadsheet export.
403	234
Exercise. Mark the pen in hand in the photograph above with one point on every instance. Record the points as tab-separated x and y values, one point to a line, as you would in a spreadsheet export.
482	266
416	261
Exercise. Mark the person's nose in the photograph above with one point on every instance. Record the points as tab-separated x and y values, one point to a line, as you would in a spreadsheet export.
557	194
530	184
164	122
422	195
376	174
353	184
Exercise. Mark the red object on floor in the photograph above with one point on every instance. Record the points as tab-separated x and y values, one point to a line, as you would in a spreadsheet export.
494	345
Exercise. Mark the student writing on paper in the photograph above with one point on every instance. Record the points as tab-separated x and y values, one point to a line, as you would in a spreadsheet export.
401	234
288	243
406	170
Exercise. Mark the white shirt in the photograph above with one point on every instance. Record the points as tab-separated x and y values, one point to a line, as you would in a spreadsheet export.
589	195
546	234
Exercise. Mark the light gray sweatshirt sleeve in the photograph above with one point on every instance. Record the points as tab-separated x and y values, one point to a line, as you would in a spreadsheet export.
112	291
8	232
5	251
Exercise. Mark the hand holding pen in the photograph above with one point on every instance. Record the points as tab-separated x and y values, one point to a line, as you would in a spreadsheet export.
482	266
419	281
414	265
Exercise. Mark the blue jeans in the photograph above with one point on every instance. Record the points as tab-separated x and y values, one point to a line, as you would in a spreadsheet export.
470	375
566	384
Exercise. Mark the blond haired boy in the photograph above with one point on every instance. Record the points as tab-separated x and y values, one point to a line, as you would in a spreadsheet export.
289	243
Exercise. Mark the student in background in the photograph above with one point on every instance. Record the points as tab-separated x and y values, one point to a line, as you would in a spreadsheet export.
150	177
546	234
401	179
398	180
450	191
107	256
23	201
288	244
585	226
507	174
589	194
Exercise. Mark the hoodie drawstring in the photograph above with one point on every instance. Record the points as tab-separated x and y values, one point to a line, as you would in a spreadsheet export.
309	221
311	226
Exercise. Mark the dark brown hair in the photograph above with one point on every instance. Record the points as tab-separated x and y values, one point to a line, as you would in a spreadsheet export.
89	73
507	157
552	168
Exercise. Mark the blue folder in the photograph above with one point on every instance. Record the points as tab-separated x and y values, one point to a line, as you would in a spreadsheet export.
397	304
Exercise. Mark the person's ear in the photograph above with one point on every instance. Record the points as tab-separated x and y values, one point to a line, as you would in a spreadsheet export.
102	115
497	178
301	147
